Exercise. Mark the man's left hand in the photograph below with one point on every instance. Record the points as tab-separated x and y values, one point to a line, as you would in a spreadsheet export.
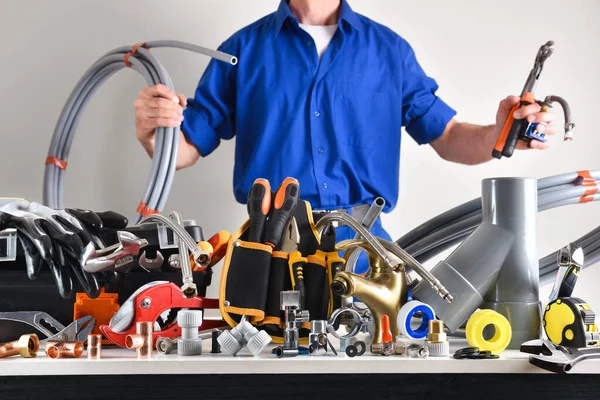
533	113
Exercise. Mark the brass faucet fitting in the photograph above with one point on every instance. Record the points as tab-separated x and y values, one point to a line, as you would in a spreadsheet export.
384	291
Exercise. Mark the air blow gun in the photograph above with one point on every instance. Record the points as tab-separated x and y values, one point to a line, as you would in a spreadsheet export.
520	129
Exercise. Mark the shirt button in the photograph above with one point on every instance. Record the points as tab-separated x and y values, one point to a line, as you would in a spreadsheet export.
317	114
325	185
321	149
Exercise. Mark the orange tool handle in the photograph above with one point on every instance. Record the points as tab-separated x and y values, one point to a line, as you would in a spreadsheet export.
259	204
219	243
284	205
512	129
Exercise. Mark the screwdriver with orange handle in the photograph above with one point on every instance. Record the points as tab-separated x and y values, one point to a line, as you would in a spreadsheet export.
516	129
284	205
259	205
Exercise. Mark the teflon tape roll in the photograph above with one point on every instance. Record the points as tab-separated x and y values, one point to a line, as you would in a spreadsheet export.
477	323
407	312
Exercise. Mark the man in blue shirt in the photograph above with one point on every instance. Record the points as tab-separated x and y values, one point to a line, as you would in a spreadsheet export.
321	94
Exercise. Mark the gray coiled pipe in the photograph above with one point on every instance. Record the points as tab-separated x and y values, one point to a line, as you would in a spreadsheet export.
167	139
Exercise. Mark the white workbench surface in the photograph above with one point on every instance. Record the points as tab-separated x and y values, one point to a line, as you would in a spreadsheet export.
117	361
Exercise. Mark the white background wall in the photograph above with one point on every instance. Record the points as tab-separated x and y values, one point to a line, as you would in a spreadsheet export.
478	51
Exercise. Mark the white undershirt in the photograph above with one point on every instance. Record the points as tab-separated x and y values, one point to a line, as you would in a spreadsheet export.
321	34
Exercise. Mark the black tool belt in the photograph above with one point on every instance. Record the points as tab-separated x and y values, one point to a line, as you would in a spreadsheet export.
254	275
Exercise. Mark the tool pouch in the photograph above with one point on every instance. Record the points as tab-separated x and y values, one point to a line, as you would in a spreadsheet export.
253	277
245	279
315	278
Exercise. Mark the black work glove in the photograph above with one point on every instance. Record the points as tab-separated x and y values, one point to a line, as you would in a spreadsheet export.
56	238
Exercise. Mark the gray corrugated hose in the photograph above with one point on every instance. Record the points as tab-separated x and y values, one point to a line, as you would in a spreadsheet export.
167	139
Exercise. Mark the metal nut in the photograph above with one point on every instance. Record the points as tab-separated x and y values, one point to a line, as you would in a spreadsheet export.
416	350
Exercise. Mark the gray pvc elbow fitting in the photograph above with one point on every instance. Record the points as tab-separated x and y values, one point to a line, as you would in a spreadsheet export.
244	334
496	267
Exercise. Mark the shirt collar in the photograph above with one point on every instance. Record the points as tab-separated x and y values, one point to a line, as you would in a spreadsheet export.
346	14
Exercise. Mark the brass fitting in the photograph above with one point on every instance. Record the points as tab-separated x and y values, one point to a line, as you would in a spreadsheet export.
94	347
384	291
142	340
26	346
55	349
436	332
437	343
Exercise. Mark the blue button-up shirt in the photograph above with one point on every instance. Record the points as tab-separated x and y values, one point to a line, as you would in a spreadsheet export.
334	124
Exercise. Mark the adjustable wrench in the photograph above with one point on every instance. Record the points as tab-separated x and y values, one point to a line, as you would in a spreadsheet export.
114	257
556	358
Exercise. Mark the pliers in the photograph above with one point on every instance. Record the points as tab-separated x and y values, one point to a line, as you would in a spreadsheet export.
296	262
78	330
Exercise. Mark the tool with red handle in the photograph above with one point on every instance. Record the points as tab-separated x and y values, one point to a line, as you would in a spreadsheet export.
151	301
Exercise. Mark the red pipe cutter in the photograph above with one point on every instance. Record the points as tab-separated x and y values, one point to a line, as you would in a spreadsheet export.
148	303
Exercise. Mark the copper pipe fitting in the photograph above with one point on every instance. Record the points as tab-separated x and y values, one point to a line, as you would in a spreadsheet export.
56	349
142	340
134	341
94	347
26	346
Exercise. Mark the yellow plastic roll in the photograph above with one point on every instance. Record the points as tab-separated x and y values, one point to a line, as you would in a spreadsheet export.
476	324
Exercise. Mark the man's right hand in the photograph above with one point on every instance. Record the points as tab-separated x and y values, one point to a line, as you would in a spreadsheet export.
157	107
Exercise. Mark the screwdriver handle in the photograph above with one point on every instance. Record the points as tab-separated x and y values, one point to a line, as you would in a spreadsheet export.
219	243
284	205
297	263
259	204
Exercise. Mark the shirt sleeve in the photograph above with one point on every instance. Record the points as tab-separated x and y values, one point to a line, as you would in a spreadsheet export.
210	115
424	114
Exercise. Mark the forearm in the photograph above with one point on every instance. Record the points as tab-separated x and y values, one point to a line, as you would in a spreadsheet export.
187	154
466	143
